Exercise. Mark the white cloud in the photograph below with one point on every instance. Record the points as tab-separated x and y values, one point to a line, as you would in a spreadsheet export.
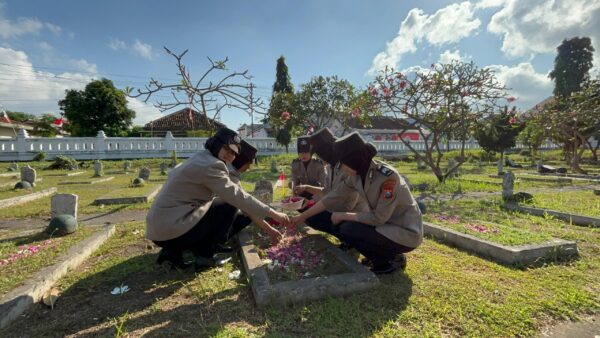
84	66
45	46
144	112
143	49
22	88
447	56
54	28
23	26
483	4
529	86
448	25
116	44
539	26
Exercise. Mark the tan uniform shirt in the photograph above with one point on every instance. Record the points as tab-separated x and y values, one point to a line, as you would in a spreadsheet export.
234	175
188	194
314	174
335	177
391	207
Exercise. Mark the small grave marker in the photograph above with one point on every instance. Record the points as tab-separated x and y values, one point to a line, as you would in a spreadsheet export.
263	191
13	166
144	173
28	174
98	168
64	204
163	168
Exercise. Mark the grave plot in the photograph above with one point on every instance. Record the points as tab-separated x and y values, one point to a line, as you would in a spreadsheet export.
88	181
66	174
30	265
130	195
577	207
491	233
301	268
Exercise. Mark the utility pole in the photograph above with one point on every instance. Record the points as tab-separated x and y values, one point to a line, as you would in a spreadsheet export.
251	109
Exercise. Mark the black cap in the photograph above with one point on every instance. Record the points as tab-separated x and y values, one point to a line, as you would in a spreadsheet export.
353	151
246	155
322	144
349	144
303	144
229	137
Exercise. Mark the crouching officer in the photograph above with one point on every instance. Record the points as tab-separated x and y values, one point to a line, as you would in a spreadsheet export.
305	169
186	215
391	226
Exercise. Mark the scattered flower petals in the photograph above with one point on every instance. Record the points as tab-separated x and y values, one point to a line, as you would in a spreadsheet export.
481	228
446	218
25	251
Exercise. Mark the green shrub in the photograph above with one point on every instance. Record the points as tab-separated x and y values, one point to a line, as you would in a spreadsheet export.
40	157
62	162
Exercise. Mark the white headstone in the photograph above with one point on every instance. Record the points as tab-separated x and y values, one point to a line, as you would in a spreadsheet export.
263	191
64	204
28	174
98	168
508	183
144	173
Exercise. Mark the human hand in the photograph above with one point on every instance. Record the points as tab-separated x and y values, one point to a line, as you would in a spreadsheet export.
280	217
297	220
299	189
275	235
337	217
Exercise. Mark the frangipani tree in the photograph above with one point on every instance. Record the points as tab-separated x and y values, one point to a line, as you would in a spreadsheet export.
444	101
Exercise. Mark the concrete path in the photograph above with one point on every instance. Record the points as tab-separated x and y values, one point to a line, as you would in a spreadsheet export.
587	328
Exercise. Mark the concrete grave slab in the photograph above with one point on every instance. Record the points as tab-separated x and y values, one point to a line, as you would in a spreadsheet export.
129	199
76	173
524	255
565	216
267	292
94	181
14	303
5	203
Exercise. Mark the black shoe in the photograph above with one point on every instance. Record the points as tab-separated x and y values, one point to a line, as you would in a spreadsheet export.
401	261
220	248
385	268
345	246
171	260
204	263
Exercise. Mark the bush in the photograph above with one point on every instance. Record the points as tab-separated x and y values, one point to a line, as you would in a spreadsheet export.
40	157
525	152
62	162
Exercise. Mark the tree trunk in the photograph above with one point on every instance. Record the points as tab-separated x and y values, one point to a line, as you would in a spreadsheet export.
594	149
576	158
286	149
501	164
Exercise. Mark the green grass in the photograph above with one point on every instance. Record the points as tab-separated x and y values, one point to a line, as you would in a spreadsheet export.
13	274
583	202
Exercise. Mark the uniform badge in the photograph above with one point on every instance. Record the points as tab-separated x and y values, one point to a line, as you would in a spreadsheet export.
237	139
370	173
385	170
387	189
338	165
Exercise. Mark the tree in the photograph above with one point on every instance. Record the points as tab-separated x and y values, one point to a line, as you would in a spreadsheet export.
43	125
447	99
100	106
572	120
17	116
283	82
571	65
532	136
211	93
498	133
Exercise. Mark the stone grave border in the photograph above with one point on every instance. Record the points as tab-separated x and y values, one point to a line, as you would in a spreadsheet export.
15	302
8	202
66	174
9	184
13	173
128	200
519	255
564	216
579	176
292	292
472	180
96	181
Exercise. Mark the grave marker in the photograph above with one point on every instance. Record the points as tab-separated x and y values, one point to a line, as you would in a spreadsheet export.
98	168
64	204
163	168
144	173
28	174
263	191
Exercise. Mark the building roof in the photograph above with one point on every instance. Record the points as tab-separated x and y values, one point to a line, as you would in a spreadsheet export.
180	121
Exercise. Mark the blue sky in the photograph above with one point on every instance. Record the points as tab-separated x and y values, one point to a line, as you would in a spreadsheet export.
49	46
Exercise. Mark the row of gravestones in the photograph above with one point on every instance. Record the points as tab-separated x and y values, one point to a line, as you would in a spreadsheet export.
144	172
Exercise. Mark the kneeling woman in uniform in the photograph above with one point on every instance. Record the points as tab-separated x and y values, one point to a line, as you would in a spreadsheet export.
185	214
391	225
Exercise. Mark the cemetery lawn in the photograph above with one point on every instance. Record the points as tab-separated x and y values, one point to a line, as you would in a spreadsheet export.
132	191
27	262
582	202
444	292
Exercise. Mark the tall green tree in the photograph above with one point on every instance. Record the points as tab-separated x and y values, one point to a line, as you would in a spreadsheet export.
100	106
498	133
571	65
18	116
283	82
43	125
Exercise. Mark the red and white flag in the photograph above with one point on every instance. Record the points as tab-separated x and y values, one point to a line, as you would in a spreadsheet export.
4	116
59	122
280	181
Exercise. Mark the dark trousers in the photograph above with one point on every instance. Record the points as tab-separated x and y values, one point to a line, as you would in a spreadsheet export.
322	222
221	222
370	243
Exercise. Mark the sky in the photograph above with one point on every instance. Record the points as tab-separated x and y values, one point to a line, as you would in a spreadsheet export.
47	47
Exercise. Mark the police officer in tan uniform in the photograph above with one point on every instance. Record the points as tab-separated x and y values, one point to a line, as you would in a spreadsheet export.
305	169
185	214
393	223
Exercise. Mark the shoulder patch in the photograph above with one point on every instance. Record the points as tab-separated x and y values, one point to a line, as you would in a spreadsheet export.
385	170
387	189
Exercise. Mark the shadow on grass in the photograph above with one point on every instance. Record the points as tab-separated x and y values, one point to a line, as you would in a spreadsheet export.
27	239
105	214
